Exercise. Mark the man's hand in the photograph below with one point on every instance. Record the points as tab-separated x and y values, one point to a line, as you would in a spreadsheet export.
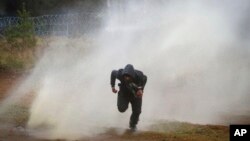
114	90
139	93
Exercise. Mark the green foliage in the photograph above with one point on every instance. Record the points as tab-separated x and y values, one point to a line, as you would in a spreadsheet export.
23	34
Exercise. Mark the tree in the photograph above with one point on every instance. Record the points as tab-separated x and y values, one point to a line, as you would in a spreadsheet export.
22	34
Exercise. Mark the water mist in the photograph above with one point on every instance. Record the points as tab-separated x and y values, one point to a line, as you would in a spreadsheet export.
193	53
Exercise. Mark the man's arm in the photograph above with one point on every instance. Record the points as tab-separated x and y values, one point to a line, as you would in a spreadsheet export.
113	77
142	80
114	74
141	84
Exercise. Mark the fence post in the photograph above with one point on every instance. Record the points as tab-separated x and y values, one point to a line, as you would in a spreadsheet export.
67	30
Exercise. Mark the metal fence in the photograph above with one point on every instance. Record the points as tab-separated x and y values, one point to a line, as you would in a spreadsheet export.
60	25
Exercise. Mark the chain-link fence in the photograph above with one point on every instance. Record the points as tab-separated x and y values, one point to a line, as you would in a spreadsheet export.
60	25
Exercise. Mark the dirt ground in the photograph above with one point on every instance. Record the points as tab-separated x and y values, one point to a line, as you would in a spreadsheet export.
6	81
189	132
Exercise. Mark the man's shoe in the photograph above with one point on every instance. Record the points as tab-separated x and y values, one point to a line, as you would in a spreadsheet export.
132	128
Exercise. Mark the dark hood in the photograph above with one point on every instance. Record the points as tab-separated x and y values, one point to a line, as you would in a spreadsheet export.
129	70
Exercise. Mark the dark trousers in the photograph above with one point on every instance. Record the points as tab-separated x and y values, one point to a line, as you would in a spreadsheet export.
124	98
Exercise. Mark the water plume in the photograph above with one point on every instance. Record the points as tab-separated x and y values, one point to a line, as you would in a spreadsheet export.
193	53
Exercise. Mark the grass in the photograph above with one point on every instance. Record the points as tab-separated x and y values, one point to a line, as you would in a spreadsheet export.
174	131
182	131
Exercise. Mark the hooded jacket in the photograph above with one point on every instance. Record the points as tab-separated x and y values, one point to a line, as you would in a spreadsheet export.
137	76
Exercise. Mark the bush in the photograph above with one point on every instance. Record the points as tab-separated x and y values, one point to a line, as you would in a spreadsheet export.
14	59
23	34
18	46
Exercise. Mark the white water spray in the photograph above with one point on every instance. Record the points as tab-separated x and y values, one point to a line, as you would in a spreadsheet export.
192	52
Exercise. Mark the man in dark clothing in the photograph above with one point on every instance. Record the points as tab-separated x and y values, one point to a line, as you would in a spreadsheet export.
132	83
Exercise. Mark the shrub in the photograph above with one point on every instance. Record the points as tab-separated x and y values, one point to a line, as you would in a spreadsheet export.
23	34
